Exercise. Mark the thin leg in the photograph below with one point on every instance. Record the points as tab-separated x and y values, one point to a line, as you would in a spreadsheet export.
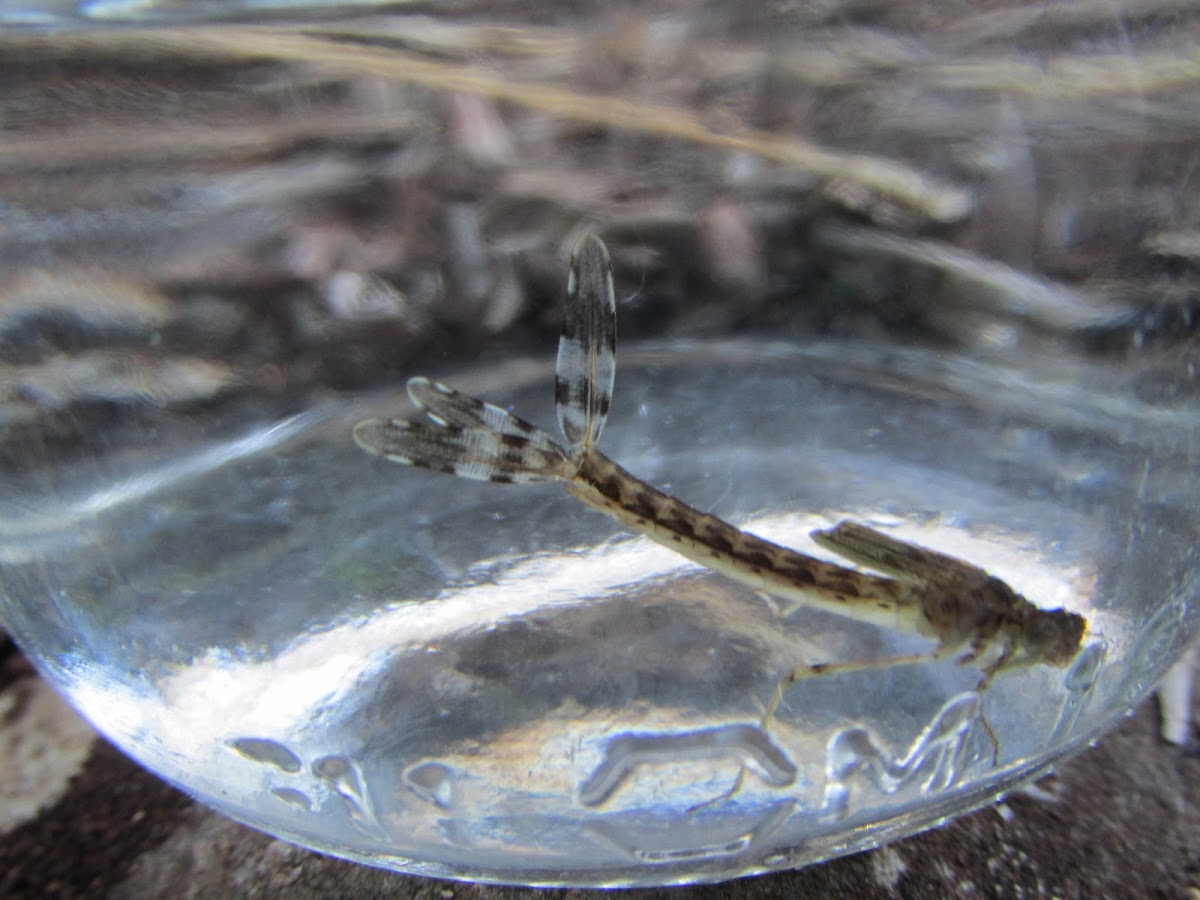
838	668
813	671
863	665
988	673
991	736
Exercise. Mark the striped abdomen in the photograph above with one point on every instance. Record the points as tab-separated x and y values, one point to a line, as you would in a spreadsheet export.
714	543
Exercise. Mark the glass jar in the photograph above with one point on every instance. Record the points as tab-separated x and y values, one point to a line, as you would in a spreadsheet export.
931	268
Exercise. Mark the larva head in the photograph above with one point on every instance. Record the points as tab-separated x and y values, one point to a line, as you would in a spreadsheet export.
1052	636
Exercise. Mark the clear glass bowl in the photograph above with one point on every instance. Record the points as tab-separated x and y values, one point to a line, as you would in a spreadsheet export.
927	267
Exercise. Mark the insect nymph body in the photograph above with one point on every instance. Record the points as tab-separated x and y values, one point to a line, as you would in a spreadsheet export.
960	606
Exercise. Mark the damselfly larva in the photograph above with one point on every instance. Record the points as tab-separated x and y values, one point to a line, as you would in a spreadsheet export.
960	606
